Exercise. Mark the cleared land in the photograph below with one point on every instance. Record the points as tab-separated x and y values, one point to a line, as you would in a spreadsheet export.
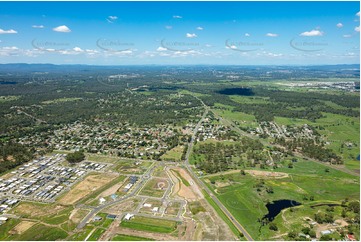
22	227
85	187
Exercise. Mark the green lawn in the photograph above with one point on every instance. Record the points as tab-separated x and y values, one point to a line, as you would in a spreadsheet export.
174	154
40	232
123	237
6	227
81	235
150	224
96	234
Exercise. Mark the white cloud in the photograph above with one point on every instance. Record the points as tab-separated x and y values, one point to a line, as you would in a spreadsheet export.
339	25
199	28
357	29
160	48
313	32
233	47
347	36
10	31
177	16
113	17
38	26
208	45
77	49
62	29
10	48
168	27
271	35
191	35
358	14
247	34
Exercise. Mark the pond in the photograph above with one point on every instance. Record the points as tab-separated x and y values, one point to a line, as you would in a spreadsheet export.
275	207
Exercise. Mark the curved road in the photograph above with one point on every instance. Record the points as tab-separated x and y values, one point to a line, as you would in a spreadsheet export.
101	207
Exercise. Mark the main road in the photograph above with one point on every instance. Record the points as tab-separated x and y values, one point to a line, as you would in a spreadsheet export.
201	183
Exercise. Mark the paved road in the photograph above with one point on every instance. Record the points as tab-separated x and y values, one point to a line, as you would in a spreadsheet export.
134	191
200	182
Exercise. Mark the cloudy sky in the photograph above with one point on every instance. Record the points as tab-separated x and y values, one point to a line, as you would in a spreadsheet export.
121	33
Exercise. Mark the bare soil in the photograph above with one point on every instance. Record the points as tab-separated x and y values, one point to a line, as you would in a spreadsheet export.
22	227
85	187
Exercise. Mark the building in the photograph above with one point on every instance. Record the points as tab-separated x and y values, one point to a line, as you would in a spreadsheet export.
127	187
102	200
111	216
325	232
350	237
147	205
128	216
155	209
97	218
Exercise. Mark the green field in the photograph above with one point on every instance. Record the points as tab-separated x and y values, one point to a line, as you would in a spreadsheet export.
40	232
174	154
102	158
96	234
124	237
151	187
82	234
306	179
150	224
130	166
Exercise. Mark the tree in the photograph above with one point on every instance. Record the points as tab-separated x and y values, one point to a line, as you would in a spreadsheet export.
243	173
75	157
354	206
312	233
273	226
292	234
306	230
290	165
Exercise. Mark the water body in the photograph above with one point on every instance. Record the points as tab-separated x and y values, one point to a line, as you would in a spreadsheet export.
7	83
275	207
237	91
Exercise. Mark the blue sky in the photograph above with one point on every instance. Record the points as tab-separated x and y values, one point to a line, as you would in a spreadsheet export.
123	33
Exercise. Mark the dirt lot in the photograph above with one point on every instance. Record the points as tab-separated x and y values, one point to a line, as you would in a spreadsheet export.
36	210
85	187
22	227
267	174
190	192
111	190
